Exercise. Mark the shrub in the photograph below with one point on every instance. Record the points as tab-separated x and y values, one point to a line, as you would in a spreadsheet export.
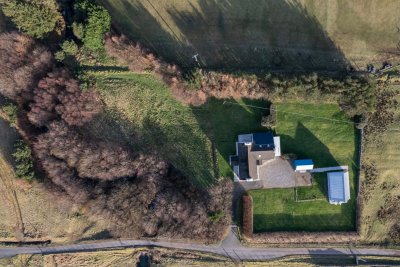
247	215
59	55
11	112
92	22
23	161
216	216
269	120
68	49
36	19
59	94
78	30
194	79
358	97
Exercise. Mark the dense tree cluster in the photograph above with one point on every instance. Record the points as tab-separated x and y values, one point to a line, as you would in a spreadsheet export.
59	95
22	64
145	197
88	158
137	195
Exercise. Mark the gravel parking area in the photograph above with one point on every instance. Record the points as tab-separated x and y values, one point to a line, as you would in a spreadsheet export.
279	173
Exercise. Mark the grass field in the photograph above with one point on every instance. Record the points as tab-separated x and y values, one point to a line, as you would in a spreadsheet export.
279	34
328	143
153	121
386	157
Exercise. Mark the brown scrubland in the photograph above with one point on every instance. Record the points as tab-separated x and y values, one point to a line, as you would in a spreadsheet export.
135	194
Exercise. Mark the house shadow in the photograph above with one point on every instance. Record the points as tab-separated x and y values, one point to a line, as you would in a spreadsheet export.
305	145
222	120
231	34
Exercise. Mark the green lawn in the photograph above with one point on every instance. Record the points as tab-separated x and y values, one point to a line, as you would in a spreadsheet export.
316	191
224	120
142	111
328	143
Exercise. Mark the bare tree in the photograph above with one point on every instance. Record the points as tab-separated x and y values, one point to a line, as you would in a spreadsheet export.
22	64
59	95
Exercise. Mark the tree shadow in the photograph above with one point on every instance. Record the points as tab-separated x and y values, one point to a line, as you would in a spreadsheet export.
174	141
185	149
104	234
274	34
331	257
306	145
137	21
231	34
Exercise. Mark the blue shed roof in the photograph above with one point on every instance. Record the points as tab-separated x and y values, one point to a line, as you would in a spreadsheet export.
263	141
303	162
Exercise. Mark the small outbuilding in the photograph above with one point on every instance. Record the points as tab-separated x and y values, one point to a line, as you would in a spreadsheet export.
338	187
303	165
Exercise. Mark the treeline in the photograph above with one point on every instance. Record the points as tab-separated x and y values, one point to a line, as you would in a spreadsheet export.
137	195
355	94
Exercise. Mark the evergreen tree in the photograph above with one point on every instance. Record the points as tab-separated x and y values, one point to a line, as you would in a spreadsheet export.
33	18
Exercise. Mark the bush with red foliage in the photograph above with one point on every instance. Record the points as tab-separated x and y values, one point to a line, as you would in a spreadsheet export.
247	215
140	59
138	195
59	94
22	64
91	159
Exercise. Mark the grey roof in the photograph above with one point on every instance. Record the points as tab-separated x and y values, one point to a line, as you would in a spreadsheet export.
245	138
338	187
258	158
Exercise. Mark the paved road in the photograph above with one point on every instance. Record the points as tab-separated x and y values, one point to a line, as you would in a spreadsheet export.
235	251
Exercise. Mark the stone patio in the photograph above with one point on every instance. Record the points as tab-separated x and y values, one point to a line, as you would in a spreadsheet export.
279	173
